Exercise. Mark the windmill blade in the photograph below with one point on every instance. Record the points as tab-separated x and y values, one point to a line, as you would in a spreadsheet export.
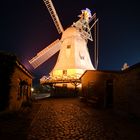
45	54
54	15
93	17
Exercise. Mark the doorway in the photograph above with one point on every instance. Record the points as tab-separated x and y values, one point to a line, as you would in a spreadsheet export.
109	93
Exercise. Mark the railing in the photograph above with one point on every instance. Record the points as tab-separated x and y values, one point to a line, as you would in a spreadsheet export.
52	81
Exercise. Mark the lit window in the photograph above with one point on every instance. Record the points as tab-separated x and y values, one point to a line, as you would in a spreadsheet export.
68	46
64	72
65	85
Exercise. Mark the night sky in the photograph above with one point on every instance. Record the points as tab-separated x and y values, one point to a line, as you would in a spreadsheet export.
26	28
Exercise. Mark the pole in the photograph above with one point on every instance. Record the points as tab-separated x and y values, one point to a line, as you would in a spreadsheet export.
95	42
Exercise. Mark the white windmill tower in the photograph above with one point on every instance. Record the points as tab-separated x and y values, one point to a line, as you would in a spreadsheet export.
73	59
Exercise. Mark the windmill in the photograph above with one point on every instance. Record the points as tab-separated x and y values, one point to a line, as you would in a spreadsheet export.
73	59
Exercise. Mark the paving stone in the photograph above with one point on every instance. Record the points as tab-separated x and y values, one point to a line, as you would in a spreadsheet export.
69	119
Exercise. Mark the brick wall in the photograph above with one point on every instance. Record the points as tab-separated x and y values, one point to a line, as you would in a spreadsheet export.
16	95
127	91
125	88
94	84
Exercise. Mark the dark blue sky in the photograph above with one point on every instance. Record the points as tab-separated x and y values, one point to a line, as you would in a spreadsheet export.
26	28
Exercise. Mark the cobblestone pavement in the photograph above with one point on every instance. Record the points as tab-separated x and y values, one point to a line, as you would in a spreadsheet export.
14	125
70	119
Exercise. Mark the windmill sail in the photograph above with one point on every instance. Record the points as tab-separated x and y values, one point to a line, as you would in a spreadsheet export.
54	15
45	54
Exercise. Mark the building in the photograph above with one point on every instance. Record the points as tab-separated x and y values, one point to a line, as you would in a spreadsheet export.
117	89
15	82
97	86
73	59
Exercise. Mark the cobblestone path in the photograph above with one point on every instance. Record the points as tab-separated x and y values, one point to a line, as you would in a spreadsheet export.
69	119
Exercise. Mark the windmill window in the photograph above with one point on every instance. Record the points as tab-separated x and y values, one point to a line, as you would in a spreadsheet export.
68	46
81	56
65	72
65	85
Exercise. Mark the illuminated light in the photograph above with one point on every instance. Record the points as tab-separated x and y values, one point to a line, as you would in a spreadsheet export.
79	86
86	14
70	74
32	89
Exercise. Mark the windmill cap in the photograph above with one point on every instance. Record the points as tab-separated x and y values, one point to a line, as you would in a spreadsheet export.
69	32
